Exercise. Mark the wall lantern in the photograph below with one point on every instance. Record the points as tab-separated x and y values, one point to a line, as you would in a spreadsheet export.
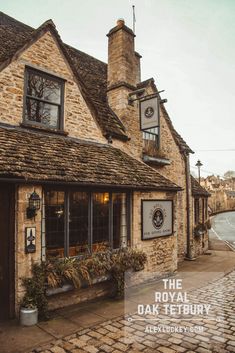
34	205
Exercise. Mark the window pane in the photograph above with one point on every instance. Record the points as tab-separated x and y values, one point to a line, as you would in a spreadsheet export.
78	223
54	223
43	87
43	113
119	220
196	211
100	221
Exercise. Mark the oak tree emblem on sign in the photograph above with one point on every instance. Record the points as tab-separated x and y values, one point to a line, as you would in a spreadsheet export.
158	218
149	111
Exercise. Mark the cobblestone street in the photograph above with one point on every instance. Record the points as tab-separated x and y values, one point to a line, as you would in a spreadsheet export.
120	335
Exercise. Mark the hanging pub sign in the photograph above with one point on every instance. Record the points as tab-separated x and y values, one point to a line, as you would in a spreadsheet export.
149	113
157	218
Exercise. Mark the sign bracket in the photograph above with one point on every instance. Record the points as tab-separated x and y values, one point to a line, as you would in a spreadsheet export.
131	100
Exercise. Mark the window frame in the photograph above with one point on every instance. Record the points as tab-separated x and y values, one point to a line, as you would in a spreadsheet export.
61	81
196	210
90	193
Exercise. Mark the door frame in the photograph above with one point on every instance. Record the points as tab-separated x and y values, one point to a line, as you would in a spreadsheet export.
11	188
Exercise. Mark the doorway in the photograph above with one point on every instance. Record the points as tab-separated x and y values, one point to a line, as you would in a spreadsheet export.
7	256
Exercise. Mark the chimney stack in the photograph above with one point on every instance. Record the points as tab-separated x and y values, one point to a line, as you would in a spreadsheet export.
123	61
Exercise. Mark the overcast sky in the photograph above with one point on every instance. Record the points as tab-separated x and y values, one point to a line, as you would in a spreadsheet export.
187	46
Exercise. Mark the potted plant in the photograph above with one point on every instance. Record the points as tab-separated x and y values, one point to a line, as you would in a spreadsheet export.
34	302
28	312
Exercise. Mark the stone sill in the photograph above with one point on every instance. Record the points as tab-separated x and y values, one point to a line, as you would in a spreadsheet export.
43	129
156	160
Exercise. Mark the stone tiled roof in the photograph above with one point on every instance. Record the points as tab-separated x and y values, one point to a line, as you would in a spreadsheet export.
197	189
33	156
94	74
91	72
13	35
178	139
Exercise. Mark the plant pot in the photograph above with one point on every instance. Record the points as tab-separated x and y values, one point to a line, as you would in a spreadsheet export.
28	316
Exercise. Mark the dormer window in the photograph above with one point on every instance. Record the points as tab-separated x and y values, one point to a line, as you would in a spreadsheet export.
44	95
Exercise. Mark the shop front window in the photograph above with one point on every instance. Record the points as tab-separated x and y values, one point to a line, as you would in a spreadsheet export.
54	223
78	223
100	239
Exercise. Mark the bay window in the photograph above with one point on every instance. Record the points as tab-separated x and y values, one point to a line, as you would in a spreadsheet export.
78	222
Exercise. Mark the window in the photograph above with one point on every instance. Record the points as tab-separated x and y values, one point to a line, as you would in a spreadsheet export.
151	140
77	222
196	211
44	95
100	217
55	222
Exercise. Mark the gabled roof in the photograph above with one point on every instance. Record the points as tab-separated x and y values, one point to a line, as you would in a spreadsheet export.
197	189
38	157
178	139
91	73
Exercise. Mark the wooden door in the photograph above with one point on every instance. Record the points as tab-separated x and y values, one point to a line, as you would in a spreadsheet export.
6	251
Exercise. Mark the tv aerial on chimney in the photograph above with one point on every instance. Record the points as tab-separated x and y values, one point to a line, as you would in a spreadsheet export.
134	18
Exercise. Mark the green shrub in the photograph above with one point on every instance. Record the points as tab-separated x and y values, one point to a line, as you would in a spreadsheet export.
53	274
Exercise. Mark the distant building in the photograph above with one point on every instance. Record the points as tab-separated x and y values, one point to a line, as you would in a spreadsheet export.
222	192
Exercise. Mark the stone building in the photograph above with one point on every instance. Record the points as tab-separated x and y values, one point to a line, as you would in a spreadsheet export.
76	171
222	193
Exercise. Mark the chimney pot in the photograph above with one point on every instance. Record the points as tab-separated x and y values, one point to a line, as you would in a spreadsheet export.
120	22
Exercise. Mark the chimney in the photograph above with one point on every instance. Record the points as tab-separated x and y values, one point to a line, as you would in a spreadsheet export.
123	61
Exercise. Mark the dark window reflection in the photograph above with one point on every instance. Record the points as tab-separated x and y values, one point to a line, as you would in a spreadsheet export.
43	100
78	223
54	223
100	221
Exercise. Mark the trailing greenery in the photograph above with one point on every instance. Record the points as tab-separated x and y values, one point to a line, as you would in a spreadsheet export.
35	296
79	271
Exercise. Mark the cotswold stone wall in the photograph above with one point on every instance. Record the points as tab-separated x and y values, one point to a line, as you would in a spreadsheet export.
168	149
25	261
118	100
44	54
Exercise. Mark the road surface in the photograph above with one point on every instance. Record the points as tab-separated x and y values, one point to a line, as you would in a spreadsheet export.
223	226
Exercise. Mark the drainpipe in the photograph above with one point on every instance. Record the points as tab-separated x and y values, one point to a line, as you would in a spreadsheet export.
188	206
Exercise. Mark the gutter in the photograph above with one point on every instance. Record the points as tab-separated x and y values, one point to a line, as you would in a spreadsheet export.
188	179
71	183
